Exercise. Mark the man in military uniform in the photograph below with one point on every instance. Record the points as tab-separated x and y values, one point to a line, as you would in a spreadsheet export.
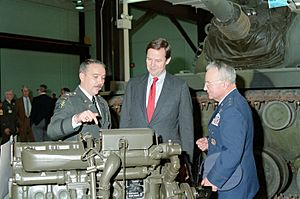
83	110
232	171
8	120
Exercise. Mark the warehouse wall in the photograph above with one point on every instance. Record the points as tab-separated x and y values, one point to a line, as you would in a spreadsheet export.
161	26
32	68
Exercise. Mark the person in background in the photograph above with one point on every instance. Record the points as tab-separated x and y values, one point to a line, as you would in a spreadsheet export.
53	95
230	135
23	109
63	91
41	112
160	101
83	110
9	120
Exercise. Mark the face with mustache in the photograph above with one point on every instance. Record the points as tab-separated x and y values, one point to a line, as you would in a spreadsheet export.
92	79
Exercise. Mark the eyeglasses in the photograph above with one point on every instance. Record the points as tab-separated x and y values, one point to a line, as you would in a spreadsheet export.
209	83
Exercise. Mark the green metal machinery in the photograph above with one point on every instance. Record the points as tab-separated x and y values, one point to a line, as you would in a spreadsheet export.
122	163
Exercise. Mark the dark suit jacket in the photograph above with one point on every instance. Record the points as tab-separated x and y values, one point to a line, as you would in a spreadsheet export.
41	108
73	103
231	134
173	115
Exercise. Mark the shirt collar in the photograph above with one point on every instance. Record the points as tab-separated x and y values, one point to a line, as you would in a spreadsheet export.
86	93
161	77
225	96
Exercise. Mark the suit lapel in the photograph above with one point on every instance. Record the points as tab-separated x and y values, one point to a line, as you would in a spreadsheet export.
87	102
141	94
23	106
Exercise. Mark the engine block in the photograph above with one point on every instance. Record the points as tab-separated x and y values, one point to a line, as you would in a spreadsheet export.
122	163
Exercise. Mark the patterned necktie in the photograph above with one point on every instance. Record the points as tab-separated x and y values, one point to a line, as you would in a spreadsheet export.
151	99
27	112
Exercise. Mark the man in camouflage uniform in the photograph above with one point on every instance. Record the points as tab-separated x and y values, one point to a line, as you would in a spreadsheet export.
77	112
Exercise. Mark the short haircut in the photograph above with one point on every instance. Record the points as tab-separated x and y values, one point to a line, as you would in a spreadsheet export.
158	44
43	88
227	72
65	89
83	65
24	87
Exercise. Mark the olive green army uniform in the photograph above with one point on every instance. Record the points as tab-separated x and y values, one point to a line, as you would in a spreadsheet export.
60	127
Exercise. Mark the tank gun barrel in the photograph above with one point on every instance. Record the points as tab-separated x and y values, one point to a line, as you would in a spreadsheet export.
222	10
229	18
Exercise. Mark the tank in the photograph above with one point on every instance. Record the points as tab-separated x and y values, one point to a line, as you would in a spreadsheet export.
262	43
122	163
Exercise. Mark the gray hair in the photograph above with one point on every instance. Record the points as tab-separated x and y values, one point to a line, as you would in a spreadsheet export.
9	91
83	66
227	72
24	87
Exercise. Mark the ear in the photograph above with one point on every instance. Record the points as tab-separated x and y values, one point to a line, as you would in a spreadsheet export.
81	76
227	84
168	60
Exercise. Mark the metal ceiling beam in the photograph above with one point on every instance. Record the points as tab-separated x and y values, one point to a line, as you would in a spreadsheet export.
137	24
183	33
22	42
161	7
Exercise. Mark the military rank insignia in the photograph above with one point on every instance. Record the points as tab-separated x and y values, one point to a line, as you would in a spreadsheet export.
216	120
213	141
62	103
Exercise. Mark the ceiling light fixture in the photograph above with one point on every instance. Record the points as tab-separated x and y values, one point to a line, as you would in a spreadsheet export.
78	4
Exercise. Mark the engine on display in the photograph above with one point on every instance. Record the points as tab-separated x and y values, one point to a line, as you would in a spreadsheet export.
122	163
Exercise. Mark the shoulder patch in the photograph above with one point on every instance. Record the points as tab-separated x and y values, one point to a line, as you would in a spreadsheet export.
64	98
62	103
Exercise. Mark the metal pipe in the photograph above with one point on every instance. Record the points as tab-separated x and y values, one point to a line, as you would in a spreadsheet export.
172	169
24	178
91	169
126	45
111	166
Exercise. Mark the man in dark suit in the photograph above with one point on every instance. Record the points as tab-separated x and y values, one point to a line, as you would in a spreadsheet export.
230	134
83	110
41	112
172	118
23	109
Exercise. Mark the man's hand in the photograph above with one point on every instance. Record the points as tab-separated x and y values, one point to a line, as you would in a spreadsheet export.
205	182
86	116
202	144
